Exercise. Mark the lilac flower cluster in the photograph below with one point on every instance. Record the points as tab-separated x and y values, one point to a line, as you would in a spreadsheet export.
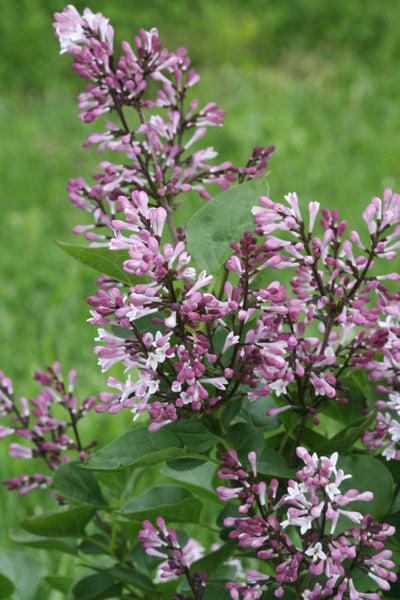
159	148
300	347
34	421
297	531
163	542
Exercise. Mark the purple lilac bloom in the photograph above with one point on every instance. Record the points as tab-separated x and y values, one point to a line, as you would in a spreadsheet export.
312	505
159	158
162	542
42	434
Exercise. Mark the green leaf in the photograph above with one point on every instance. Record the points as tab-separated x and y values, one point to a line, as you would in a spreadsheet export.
103	260
197	480
59	582
6	587
368	474
219	222
96	587
214	560
66	545
272	464
25	572
78	485
137	448
138	580
256	413
193	435
96	544
244	438
172	502
69	522
216	591
345	439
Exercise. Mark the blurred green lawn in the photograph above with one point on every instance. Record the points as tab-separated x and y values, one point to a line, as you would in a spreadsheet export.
317	78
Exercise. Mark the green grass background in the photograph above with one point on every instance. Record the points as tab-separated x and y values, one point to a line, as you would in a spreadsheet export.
320	79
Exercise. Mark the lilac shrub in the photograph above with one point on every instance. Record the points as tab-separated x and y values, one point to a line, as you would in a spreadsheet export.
282	386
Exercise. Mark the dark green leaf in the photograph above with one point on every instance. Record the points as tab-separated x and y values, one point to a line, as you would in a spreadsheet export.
224	219
137	448
103	260
69	522
172	502
244	438
96	544
214	560
138	580
6	587
272	464
216	591
256	413
36	541
192	435
59	582
78	485
197	479
345	439
230	411
25	572
185	464
368	474
96	587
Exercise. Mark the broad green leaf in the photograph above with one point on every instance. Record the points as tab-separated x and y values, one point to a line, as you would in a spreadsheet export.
368	474
136	579
214	560
256	413
25	572
137	448
78	485
185	464
96	544
273	464
345	439
172	502
69	522
350	412
6	587
219	222
216	591
66	545
103	260
244	438
96	587
192	435
61	583
197	480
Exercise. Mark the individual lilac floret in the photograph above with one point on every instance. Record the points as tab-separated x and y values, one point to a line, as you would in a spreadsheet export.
43	434
312	504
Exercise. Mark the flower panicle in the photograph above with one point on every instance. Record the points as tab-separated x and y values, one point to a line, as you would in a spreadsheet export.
43	434
158	147
312	505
